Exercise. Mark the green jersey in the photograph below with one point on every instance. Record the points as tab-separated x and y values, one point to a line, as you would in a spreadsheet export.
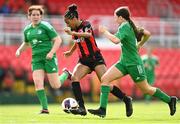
130	55
40	38
149	64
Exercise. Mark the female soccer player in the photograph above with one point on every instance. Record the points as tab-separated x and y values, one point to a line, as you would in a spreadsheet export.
150	62
44	41
129	63
90	58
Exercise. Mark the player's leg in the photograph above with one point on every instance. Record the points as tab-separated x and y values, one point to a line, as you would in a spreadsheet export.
146	96
156	92
138	75
111	74
78	73
51	68
100	70
54	80
38	77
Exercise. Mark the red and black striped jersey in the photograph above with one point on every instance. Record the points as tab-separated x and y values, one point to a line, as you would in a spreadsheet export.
86	46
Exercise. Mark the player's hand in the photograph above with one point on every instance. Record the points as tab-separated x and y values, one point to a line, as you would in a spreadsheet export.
67	53
18	53
102	29
68	30
49	56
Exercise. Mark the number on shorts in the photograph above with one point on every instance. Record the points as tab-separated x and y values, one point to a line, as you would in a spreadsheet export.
140	70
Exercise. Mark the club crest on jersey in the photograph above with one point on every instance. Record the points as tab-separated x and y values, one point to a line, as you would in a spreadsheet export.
39	32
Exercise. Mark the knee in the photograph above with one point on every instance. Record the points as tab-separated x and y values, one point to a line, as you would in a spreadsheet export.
38	84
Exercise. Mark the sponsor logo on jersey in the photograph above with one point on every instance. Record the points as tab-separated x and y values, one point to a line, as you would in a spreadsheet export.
28	33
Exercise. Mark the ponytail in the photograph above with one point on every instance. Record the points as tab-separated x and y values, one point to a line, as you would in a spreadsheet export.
138	32
124	12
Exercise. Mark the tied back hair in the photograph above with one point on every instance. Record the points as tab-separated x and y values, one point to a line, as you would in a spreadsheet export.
71	12
124	12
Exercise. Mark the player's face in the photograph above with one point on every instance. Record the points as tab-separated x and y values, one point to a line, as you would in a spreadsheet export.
118	19
70	23
35	17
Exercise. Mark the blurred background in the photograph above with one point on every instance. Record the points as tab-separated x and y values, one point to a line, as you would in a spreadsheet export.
160	17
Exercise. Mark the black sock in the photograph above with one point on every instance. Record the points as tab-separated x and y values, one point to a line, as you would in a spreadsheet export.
118	93
77	93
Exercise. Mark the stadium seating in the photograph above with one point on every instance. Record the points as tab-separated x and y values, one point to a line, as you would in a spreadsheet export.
168	73
86	10
96	7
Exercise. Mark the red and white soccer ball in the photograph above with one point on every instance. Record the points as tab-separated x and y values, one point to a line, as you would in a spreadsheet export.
69	104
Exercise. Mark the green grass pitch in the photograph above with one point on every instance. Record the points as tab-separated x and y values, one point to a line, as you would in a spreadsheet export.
153	113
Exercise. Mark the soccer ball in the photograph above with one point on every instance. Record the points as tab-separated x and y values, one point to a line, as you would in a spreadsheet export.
69	104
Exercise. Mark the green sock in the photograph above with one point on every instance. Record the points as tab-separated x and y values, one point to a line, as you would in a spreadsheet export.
63	77
162	96
104	96
42	98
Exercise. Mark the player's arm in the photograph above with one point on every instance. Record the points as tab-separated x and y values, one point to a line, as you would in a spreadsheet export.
82	34
145	37
109	35
70	52
22	48
78	34
57	42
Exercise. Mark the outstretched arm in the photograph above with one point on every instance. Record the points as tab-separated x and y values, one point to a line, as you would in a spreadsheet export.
109	35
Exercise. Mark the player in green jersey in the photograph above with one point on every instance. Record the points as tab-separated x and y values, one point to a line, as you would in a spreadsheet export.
129	63
150	62
44	41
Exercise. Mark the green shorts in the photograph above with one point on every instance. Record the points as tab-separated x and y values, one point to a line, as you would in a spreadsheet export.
49	66
137	72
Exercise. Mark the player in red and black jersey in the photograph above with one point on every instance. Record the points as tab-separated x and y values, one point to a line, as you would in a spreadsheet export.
90	59
89	53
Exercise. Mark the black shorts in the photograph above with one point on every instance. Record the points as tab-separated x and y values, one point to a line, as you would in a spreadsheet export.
93	61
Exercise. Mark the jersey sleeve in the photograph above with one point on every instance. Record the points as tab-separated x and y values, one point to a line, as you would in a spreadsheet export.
25	38
50	30
25	34
121	33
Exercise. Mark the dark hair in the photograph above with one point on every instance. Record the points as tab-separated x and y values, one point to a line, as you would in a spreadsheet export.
71	12
124	12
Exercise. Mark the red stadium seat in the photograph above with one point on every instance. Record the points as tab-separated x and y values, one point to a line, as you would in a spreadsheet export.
167	73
